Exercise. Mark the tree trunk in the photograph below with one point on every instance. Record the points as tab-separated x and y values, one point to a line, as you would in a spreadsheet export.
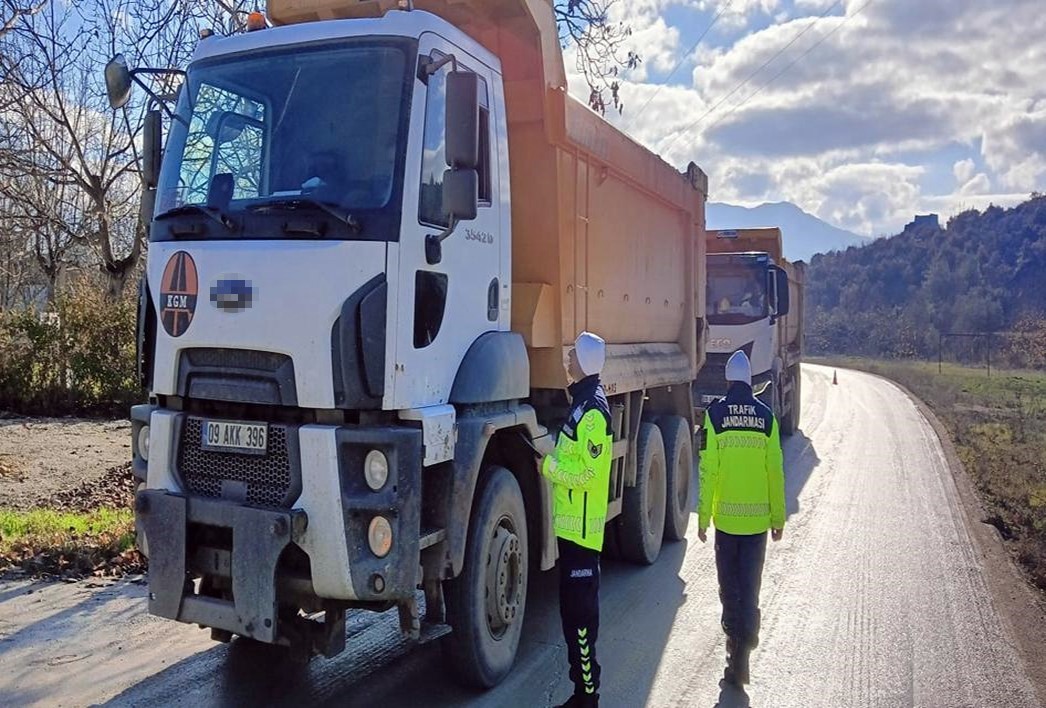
116	282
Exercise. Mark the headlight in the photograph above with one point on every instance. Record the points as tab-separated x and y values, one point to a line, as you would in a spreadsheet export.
143	442
376	470
379	536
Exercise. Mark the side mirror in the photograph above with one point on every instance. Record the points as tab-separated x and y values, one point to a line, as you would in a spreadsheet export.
460	194
118	81
782	296
152	139
226	126
462	147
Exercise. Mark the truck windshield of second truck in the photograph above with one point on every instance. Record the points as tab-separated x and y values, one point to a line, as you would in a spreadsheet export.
299	125
737	292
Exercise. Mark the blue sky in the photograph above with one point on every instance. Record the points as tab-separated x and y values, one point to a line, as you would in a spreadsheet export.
903	106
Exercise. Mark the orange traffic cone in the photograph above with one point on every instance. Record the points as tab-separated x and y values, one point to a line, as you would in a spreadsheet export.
835	378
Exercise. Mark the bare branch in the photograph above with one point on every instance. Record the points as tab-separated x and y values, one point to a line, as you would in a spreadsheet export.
14	12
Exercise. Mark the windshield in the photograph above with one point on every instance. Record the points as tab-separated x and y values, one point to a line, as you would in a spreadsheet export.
737	292
292	128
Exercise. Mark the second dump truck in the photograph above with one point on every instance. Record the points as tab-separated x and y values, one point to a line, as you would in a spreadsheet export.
378	228
754	303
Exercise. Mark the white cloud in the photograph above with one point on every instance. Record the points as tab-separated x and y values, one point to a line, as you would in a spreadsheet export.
964	170
1015	148
857	130
980	184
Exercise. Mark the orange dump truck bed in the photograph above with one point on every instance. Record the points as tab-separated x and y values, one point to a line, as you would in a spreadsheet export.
607	236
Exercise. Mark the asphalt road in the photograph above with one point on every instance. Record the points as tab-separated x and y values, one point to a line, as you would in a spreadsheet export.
877	596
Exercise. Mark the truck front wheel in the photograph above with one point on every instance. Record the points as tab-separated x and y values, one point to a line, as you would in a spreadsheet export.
643	508
486	602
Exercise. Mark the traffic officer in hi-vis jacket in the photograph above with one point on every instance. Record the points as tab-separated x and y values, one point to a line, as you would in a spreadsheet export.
742	491
579	470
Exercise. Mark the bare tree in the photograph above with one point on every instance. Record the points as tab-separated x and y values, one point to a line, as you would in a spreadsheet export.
53	98
601	51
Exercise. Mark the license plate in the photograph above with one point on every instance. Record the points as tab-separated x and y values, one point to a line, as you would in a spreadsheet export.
231	436
709	399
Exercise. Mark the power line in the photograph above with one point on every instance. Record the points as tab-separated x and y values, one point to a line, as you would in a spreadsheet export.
795	61
751	76
680	63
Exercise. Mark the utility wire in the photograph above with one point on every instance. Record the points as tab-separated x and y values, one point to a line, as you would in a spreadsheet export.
686	55
795	61
751	76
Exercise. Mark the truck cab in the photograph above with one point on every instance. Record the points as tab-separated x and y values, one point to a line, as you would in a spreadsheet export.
749	307
329	241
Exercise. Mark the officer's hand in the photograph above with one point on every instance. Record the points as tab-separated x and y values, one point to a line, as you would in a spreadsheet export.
777	534
702	534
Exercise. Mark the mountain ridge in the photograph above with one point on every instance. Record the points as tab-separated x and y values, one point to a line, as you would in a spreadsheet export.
804	234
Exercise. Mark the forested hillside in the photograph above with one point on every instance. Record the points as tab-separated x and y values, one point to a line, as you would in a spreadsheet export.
986	272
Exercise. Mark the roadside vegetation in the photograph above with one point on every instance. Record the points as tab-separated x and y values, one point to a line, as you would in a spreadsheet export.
87	530
998	425
66	544
76	358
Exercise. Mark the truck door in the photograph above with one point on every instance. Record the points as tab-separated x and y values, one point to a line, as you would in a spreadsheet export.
444	306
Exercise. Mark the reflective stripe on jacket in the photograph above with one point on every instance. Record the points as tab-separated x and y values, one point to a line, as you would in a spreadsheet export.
742	470
579	469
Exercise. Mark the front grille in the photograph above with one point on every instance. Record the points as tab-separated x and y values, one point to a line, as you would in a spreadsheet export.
713	373
269	478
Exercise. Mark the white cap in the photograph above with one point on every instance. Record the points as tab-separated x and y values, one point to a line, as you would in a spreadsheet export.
591	353
738	368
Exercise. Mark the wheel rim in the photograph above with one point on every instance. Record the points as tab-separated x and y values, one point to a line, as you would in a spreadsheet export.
682	480
654	482
504	579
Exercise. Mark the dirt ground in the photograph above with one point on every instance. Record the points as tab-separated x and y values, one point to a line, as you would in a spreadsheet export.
41	457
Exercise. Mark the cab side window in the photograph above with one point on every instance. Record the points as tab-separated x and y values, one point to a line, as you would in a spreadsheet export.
434	160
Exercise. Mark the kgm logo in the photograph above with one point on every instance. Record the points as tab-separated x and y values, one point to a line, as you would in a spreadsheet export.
178	290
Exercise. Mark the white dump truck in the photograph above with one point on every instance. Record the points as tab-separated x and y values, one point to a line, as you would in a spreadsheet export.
754	303
375	232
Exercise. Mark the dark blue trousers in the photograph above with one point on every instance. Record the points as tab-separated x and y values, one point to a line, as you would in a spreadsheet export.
579	611
739	564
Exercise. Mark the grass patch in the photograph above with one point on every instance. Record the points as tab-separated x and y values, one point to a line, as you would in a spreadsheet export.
998	425
45	542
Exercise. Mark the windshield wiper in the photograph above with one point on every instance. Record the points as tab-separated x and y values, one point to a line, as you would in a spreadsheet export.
193	209
296	203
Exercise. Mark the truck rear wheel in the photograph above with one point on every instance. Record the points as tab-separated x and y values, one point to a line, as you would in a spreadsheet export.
643	508
486	602
790	422
679	458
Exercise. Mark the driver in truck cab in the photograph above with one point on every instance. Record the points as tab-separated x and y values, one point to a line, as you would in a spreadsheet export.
579	469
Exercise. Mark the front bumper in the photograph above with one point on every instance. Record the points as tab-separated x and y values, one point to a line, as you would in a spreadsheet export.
261	536
324	528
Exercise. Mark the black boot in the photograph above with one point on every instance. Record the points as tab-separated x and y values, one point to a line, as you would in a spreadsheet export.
730	673
581	700
741	666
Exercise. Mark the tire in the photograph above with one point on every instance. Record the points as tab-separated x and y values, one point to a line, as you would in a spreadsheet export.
797	397
679	471
611	544
482	647
790	422
643	508
141	542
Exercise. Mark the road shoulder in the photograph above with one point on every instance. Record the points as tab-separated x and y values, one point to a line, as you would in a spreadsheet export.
1021	607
